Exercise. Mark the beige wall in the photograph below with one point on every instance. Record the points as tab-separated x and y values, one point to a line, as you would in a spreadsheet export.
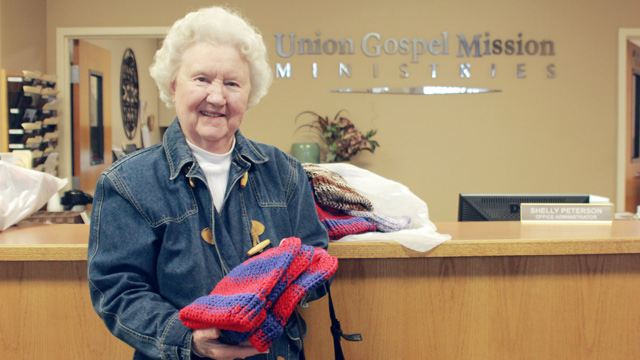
537	135
23	40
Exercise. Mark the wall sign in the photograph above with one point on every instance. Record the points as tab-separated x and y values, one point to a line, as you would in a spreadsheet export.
415	50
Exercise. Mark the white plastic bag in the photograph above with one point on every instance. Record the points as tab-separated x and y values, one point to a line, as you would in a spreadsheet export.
23	192
391	198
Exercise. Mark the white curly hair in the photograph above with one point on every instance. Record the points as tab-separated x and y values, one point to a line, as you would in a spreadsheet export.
215	25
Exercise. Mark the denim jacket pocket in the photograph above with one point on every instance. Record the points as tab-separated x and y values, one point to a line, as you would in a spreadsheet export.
276	191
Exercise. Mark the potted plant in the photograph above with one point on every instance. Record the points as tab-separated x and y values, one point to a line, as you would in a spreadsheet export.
342	139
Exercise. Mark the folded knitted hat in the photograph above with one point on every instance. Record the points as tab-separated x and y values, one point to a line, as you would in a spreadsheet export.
235	307
238	301
322	267
339	224
383	223
300	263
332	190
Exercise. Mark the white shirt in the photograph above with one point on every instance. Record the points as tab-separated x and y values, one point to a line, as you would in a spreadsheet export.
216	171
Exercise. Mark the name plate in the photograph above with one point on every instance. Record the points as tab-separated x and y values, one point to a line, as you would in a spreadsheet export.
574	213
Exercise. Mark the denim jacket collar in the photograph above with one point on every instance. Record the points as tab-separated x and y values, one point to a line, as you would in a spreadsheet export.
179	155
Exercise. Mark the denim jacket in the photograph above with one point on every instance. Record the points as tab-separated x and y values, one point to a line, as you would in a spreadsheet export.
151	218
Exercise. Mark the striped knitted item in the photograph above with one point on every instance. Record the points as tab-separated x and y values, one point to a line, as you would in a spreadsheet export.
300	263
332	190
339	224
383	223
319	271
238	301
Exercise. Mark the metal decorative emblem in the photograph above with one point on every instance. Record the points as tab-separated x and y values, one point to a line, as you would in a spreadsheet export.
129	94
421	90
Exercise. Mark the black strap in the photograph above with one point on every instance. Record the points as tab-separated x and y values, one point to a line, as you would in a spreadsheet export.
336	331
299	320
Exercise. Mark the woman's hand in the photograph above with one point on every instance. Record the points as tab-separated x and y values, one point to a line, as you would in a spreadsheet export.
205	344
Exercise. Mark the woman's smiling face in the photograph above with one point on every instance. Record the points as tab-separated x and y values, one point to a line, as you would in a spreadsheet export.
210	93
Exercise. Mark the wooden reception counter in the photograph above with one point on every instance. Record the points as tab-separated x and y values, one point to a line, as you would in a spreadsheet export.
497	290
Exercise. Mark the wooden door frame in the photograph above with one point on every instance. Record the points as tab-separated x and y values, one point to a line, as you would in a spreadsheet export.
623	36
64	37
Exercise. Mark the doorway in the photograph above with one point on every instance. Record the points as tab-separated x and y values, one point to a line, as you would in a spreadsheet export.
64	42
628	166
91	130
632	173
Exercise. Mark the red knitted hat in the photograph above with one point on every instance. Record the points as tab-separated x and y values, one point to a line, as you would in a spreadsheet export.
299	264
339	224
322	267
267	286
238	300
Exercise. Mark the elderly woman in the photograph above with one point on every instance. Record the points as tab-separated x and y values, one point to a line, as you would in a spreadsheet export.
170	221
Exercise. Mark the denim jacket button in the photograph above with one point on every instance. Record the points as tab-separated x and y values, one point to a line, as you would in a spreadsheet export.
207	236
